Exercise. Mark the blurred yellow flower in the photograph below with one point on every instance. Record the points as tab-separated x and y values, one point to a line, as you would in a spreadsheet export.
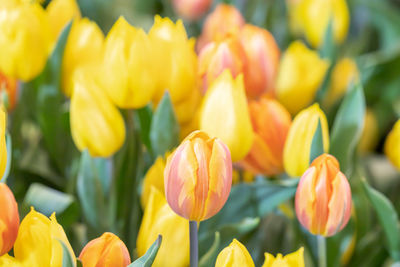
60	12
294	259
153	178
370	135
234	255
3	145
392	145
301	73
224	114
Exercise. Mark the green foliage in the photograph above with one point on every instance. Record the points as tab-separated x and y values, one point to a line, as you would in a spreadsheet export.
148	258
317	144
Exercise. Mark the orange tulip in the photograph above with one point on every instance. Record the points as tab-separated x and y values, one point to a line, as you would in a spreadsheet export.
224	20
271	123
263	54
198	177
9	87
105	251
191	9
9	219
323	197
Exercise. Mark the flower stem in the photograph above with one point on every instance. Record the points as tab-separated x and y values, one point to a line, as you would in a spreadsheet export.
321	251
194	244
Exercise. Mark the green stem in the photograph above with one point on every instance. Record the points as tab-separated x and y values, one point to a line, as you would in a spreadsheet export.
194	244
321	251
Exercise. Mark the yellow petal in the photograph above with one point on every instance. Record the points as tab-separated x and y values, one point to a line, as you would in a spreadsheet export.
392	145
235	255
60	12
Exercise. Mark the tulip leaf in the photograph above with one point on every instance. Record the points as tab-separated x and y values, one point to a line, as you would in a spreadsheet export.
164	129
9	158
348	126
208	259
327	49
148	258
145	115
317	145
388	219
67	259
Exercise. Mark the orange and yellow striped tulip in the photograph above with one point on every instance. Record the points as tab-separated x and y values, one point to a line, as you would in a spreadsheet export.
191	9
392	145
9	219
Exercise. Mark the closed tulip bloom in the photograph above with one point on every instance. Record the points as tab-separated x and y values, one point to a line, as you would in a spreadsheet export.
153	178
186	109
271	123
263	54
191	9
296	153
3	145
198	177
294	259
159	219
24	40
370	135
234	255
9	219
84	46
8	90
323	197
225	114
96	124
60	12
215	57
105	251
392	145
301	73
223	21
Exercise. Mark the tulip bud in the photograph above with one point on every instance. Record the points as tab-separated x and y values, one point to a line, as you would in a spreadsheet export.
198	177
392	145
23	55
370	135
294	259
159	219
296	153
84	46
191	9
3	145
271	123
301	73
225	114
234	255
60	12
263	54
9	219
223	21
8	91
215	57
153	178
106	250
323	197
96	124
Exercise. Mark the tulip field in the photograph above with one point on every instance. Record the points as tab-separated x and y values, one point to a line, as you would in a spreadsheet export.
201	133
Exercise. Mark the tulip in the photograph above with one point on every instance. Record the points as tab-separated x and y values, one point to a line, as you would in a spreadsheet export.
224	114
294	259
392	145
198	177
223	21
23	55
370	135
191	9
296	153
186	109
9	90
271	123
60	12
262	54
3	145
301	73
9	219
84	46
105	251
159	219
323	197
215	57
235	255
153	178
96	124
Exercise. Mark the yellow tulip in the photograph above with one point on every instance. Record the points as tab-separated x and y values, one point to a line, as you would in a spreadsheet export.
129	69
60	12
153	178
84	46
370	135
294	259
301	73
3	145
296	153
96	124
186	109
234	255
158	219
392	145
225	114
24	40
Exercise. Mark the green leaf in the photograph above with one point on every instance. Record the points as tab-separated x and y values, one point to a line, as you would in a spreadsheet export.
328	49
164	129
9	158
148	258
348	126
208	259
144	117
317	145
68	260
388	219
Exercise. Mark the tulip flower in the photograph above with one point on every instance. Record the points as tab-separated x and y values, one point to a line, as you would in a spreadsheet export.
392	145
24	57
294	259
186	110
370	135
153	178
96	124
323	197
262	54
84	46
224	114
191	9
8	90
9	219
104	251
301	73
198	177
215	57
223	21
271	122
296	153
159	219
60	12
129	76
3	145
